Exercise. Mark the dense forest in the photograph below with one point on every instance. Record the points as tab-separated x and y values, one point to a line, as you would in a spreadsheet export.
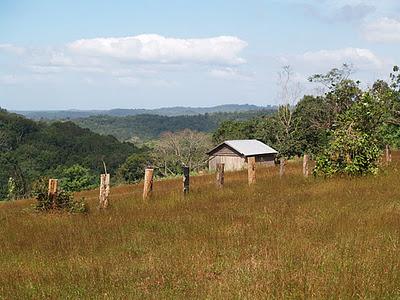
146	127
29	150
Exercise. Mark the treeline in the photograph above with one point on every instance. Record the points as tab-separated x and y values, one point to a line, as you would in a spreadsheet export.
30	150
147	127
345	129
118	112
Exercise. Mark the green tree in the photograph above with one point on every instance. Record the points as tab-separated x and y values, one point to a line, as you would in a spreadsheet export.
356	142
395	96
234	130
311	116
76	178
132	170
341	93
265	130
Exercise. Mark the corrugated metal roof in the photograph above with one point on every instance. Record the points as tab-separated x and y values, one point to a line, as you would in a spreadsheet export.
249	147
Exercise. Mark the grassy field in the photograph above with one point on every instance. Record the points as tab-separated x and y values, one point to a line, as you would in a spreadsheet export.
289	238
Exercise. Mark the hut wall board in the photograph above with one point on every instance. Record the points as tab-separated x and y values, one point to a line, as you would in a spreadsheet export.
232	163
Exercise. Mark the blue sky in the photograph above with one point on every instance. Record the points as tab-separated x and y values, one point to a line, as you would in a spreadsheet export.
144	54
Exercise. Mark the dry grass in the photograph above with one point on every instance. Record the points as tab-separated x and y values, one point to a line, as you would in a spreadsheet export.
289	238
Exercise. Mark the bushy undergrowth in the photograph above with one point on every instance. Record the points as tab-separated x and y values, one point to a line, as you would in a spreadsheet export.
63	202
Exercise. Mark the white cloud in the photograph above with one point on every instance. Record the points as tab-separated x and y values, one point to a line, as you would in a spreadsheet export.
367	66
345	13
354	12
9	79
155	48
228	73
9	48
360	58
338	11
131	61
129	80
382	30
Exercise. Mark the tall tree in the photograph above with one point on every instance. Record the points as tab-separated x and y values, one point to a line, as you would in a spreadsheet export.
132	170
341	91
184	148
287	143
312	119
356	141
234	130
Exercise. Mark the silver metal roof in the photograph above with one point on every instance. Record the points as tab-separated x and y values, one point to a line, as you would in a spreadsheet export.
249	147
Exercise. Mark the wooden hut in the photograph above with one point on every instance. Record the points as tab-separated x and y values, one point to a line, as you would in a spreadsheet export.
234	154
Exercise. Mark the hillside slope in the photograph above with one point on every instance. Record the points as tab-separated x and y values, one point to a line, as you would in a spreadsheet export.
290	238
31	149
146	127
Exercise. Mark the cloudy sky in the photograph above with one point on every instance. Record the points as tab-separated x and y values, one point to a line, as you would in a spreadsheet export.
142	54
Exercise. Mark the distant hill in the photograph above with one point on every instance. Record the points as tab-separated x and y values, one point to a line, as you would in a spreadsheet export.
144	127
164	111
30	149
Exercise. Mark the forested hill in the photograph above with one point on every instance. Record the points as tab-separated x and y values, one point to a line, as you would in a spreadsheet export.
30	149
146	127
164	111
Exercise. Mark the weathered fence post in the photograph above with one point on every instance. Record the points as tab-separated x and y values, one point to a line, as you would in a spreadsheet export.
52	191
186	180
251	169
104	190
148	183
305	165
282	167
220	174
388	153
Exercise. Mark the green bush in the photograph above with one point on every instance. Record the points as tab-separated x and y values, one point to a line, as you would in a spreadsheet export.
11	189
354	148
350	154
132	170
76	178
63	202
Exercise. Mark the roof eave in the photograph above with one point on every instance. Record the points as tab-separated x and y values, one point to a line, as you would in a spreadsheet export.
226	144
255	154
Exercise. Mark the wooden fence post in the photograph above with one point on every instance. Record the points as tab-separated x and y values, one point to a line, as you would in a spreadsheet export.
305	165
388	153
220	174
186	180
104	190
282	167
251	169
52	191
148	183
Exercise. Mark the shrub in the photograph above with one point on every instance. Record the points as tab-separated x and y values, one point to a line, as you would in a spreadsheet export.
76	178
132	170
352	154
63	202
356	140
11	189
